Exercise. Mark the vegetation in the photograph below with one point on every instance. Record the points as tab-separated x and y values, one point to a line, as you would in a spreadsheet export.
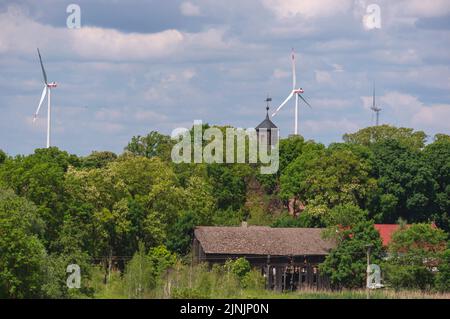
128	219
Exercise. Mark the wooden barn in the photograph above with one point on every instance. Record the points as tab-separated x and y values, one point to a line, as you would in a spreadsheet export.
287	257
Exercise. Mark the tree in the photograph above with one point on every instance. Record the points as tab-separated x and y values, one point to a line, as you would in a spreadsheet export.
3	157
375	134
437	155
239	267
138	278
442	281
40	178
144	271
343	216
328	177
290	149
179	238
406	187
151	145
228	182
98	159
414	252
22	254
133	199
346	264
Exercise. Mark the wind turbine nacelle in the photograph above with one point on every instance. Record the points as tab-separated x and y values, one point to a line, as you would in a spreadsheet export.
52	85
300	90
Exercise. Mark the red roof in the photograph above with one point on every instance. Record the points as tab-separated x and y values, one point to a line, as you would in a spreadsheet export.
386	231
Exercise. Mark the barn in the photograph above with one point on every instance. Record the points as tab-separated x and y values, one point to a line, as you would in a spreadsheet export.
287	257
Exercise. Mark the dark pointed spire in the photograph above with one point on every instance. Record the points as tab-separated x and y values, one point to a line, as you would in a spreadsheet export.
267	123
268	99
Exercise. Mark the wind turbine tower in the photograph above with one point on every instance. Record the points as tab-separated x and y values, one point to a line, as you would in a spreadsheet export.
375	108
47	89
297	92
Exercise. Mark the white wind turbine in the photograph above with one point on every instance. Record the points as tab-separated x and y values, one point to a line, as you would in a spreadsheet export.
47	89
295	91
375	108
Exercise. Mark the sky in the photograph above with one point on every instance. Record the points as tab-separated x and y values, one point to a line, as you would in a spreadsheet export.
137	66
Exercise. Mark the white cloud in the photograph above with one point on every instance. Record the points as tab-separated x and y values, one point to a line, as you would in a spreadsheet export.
308	8
338	68
87	42
94	43
336	126
323	77
413	112
280	74
406	56
331	104
422	9
189	9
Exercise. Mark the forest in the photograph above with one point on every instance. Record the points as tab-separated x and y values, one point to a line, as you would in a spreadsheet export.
127	219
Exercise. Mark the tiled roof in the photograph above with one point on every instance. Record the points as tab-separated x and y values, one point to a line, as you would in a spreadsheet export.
262	240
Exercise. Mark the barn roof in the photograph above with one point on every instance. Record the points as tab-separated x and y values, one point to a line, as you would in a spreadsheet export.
262	240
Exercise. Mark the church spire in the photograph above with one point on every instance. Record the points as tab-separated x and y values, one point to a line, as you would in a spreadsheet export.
268	99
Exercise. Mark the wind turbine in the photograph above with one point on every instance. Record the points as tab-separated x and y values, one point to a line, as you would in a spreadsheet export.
295	91
47	89
374	108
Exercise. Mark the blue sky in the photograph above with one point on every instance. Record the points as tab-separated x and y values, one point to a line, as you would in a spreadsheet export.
137	66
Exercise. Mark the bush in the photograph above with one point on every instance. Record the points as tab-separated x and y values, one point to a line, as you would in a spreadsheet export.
240	267
139	276
443	277
414	252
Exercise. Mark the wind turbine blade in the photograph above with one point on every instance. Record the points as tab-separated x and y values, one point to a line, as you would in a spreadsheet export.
304	100
294	76
44	92
282	104
42	66
373	98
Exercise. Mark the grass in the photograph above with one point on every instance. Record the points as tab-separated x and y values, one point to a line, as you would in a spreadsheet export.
346	294
202	284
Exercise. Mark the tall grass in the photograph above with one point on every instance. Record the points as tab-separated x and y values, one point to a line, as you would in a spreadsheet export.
203	282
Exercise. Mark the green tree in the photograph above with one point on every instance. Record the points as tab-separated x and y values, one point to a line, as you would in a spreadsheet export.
98	159
138	277
130	200
228	182
239	267
414	252
442	281
22	255
180	236
328	177
40	178
437	155
346	264
375	134
151	145
3	157
406	187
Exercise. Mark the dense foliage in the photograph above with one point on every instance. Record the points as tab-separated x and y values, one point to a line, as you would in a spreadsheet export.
134	211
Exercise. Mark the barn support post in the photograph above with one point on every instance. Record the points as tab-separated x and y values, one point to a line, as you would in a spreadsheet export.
268	274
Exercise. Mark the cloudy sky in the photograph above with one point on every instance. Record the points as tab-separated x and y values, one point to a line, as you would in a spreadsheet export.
135	66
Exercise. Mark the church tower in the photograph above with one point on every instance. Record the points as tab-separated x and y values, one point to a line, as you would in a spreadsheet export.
266	131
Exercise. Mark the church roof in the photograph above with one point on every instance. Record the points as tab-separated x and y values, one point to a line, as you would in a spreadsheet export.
267	123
